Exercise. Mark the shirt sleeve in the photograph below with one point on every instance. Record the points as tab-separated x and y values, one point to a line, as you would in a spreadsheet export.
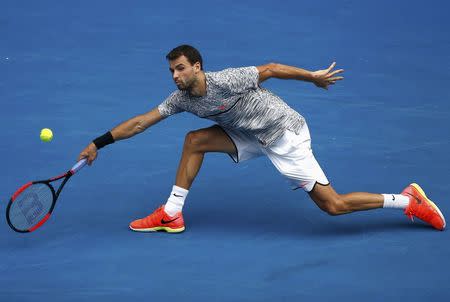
239	80
170	105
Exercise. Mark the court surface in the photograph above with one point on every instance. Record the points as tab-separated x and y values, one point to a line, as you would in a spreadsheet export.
80	68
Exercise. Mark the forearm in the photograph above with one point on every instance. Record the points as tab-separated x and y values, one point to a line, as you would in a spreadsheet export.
129	128
281	71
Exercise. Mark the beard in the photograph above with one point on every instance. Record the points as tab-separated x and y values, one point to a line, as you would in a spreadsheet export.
186	85
181	86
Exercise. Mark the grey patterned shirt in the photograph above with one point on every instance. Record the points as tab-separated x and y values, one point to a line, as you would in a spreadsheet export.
234	100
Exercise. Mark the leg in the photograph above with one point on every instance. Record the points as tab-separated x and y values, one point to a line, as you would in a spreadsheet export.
333	203
418	206
196	144
168	217
293	157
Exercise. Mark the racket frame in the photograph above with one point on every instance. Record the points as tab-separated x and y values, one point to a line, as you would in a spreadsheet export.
55	195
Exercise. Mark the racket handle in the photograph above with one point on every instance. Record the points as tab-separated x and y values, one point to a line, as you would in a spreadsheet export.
78	166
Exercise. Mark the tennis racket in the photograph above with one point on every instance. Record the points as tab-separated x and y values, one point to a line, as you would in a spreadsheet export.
33	203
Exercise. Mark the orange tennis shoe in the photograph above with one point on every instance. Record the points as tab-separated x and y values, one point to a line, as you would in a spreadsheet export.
159	221
421	207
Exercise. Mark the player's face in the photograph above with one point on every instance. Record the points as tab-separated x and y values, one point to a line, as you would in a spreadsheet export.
184	73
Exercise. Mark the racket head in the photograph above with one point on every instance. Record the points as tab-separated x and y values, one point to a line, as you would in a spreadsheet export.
31	206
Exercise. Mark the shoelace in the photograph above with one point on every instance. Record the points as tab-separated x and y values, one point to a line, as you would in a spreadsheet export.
153	219
409	214
421	213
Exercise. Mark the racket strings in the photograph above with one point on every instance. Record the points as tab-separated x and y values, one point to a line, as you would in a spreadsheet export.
31	206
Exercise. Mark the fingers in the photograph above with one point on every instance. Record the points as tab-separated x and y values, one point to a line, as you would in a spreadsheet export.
90	156
334	79
81	156
331	66
87	157
330	74
330	81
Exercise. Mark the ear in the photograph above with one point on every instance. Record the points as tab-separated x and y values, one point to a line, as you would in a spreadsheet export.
197	67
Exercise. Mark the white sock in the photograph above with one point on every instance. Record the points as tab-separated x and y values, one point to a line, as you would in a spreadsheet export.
176	200
395	201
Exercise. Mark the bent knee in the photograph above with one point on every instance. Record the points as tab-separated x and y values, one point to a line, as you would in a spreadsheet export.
195	139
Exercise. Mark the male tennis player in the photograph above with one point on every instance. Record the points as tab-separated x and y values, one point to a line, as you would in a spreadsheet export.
250	121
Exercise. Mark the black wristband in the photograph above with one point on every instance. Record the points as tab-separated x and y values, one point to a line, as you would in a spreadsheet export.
103	140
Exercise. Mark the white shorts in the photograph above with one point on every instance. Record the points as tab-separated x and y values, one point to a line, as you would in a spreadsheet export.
291	154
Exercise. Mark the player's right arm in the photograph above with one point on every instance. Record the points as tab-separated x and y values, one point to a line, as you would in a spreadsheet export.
136	125
124	130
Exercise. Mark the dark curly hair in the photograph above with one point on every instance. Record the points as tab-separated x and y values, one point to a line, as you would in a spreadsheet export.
192	54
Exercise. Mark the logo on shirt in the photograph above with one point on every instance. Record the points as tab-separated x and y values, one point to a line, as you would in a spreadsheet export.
221	107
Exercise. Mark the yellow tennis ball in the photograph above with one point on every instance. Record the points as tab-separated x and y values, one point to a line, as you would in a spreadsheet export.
46	135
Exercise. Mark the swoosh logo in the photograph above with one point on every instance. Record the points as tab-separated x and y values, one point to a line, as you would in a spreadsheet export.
393	197
417	199
175	194
168	221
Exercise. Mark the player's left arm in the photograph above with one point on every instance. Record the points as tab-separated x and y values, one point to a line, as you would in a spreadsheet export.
321	78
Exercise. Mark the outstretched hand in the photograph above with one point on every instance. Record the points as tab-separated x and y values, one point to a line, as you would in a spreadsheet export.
325	77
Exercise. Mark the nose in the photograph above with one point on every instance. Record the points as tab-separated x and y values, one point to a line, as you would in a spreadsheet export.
175	75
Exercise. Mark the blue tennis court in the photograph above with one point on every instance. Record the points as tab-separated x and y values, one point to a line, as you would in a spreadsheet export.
81	68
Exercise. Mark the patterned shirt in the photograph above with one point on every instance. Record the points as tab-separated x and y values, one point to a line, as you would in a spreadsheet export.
234	100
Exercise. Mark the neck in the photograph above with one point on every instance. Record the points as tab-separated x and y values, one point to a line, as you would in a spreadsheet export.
199	86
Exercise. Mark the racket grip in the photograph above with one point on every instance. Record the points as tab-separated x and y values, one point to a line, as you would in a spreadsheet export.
80	164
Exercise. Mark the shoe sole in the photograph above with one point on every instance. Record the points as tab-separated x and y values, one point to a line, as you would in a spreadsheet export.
419	189
156	229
